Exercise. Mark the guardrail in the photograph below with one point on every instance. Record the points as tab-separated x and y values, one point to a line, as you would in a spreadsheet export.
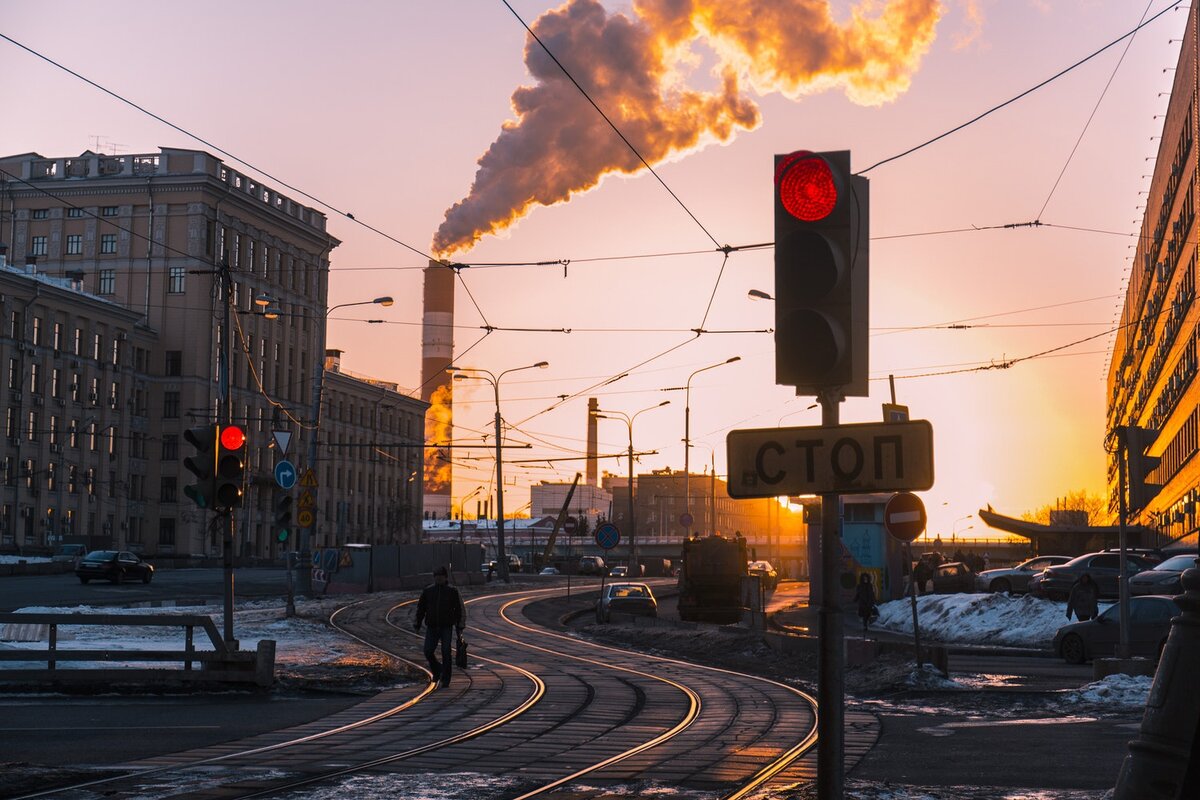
221	664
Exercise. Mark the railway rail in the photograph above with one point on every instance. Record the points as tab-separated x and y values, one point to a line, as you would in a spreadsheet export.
547	714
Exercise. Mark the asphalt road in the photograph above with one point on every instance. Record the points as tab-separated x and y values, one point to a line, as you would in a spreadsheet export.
198	586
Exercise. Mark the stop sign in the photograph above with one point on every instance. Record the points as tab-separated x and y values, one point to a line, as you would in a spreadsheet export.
569	525
904	516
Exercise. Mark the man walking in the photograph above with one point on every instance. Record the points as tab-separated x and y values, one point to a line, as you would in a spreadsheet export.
441	607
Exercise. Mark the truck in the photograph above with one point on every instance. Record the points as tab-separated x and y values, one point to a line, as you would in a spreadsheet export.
710	578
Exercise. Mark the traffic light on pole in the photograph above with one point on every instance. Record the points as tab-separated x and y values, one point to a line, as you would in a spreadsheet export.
202	464
1141	490
231	467
821	273
283	516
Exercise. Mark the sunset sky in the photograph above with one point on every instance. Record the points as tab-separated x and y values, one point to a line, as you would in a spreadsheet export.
385	110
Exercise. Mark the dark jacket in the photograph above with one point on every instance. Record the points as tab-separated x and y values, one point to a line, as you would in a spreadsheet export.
864	595
1083	600
441	606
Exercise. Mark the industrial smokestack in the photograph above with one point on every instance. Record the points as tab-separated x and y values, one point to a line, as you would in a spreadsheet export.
592	471
437	353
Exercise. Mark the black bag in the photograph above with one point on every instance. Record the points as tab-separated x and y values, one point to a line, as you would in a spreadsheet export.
874	614
460	653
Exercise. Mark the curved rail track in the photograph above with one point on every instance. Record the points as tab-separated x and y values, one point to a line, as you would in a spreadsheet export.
545	714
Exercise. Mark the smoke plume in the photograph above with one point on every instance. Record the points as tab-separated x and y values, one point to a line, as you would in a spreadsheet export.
635	68
438	421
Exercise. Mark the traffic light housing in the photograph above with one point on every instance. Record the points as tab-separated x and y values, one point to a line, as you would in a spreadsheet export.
230	467
203	464
1141	490
821	273
283	516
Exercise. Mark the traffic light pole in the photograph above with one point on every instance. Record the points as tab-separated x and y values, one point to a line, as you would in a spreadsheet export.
830	683
225	386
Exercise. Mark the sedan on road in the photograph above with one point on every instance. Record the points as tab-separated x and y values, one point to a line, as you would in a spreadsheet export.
626	598
113	565
1149	623
1104	567
765	572
952	578
1015	579
1163	578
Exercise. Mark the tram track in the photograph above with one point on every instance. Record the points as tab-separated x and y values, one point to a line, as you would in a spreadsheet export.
541	709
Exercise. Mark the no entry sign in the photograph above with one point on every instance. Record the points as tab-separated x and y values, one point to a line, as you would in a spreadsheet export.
904	516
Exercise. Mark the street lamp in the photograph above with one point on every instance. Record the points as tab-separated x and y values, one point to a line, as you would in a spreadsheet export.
318	383
954	527
687	444
633	553
460	373
462	511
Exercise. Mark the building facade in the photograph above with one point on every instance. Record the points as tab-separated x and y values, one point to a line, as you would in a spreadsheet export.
589	504
151	235
1151	377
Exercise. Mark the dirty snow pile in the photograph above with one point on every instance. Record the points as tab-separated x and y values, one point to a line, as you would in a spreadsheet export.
995	619
1124	690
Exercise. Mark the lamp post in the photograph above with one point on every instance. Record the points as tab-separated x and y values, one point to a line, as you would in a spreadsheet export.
635	566
954	527
318	382
462	512
461	373
687	442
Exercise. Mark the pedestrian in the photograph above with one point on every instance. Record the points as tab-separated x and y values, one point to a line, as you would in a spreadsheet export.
491	569
1083	598
441	607
864	596
987	559
922	574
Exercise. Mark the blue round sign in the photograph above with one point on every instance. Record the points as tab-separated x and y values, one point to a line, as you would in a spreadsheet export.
285	475
607	536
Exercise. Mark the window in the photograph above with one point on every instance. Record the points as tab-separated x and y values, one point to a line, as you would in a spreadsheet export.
175	281
78	344
58	336
108	211
56	382
170	447
97	341
32	428
74	213
108	243
73	434
74	244
41	213
166	532
51	476
116	351
37	246
35	378
167	490
170	405
174	365
73	479
107	282
53	430
14	374
37	330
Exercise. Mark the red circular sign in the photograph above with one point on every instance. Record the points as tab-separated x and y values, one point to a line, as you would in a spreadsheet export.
904	516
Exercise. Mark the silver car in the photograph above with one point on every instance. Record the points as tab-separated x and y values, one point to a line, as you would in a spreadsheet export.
1015	579
1163	578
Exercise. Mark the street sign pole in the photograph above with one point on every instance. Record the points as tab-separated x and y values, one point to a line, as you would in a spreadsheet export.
830	683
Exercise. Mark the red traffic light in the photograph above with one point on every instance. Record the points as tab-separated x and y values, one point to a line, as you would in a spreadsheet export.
232	437
806	186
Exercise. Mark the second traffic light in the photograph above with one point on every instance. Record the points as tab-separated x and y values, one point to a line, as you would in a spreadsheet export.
230	467
283	516
203	464
1142	488
821	273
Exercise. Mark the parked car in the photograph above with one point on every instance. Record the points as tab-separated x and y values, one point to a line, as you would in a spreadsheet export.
952	578
113	565
1149	623
592	565
549	571
1163	578
626	598
765	572
1015	579
619	571
1104	567
69	552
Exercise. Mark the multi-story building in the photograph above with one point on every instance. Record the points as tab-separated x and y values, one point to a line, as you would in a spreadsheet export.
151	235
1152	376
588	503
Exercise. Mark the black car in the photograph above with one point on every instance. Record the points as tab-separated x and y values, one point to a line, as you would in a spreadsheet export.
626	598
953	578
1163	578
765	572
1104	567
114	565
1149	624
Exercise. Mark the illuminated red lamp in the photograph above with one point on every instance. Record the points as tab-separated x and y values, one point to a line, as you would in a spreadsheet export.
806	186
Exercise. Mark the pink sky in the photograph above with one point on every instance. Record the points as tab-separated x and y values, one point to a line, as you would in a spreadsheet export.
384	109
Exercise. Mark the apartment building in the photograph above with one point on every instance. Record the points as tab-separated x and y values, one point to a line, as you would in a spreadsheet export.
1151	377
144	239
